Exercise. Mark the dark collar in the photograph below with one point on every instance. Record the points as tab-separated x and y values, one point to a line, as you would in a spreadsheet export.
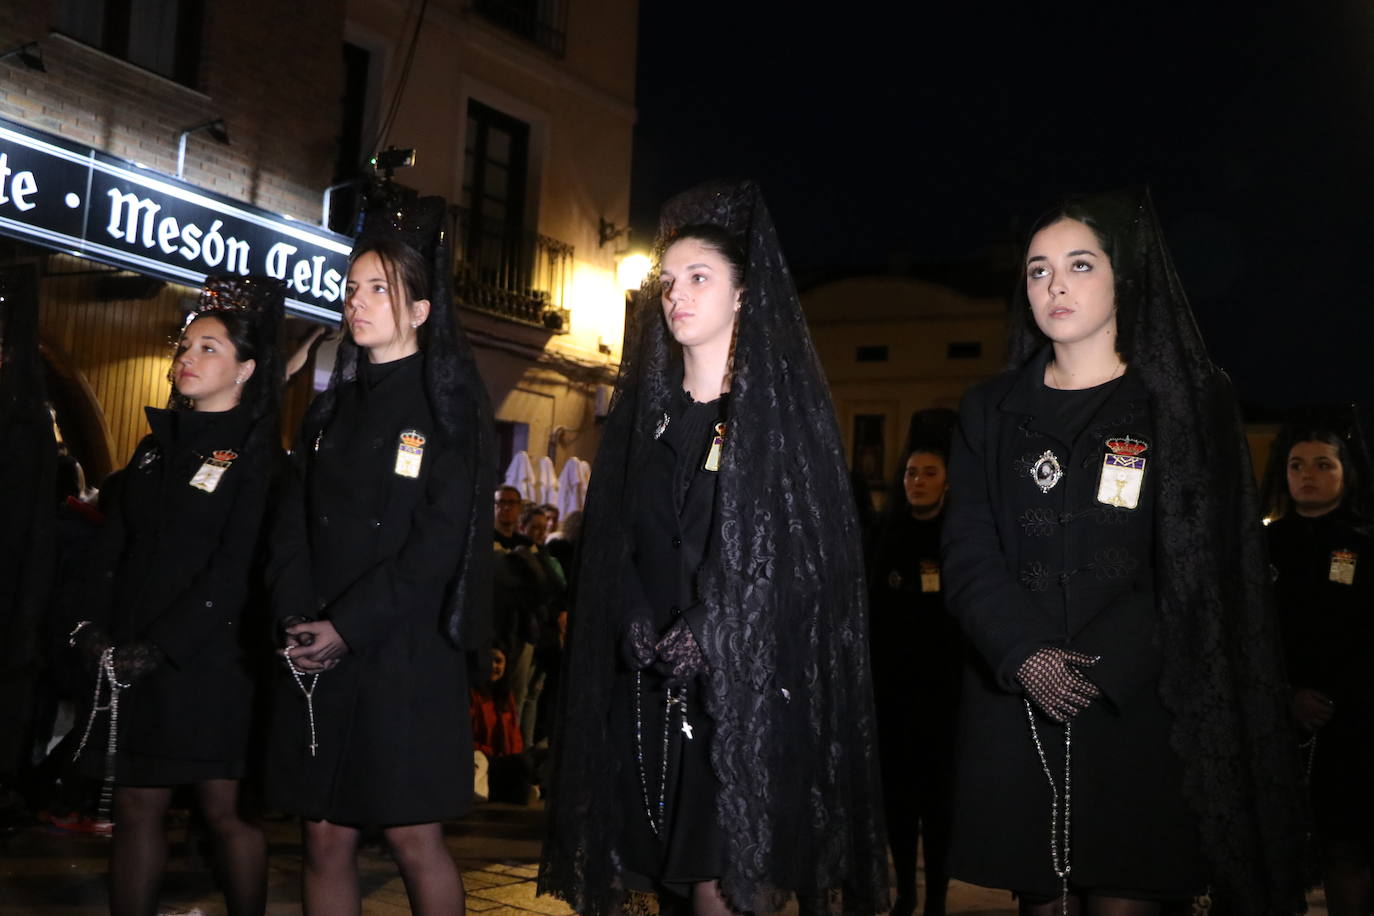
183	429
1024	395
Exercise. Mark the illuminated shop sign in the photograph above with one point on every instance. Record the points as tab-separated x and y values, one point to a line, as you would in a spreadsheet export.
86	202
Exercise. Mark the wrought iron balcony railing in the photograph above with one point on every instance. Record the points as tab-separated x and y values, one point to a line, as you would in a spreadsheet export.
515	274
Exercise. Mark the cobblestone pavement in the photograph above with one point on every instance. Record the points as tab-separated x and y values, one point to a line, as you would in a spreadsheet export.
44	872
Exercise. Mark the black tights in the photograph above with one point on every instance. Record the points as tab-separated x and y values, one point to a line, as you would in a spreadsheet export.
138	849
1347	878
330	877
932	824
1092	905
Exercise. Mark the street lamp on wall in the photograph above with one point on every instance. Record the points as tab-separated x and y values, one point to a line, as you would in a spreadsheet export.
217	129
607	232
29	54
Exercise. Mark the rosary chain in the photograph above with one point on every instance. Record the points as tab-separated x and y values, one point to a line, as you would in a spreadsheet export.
672	697
309	695
1059	844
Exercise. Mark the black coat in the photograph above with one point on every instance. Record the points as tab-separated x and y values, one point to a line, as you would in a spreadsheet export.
917	654
374	551
1026	568
177	565
1324	583
673	523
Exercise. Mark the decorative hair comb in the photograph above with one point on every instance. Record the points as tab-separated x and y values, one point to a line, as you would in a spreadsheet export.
231	293
397	213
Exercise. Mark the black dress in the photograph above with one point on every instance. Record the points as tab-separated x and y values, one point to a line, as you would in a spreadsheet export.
370	538
1325	590
672	525
1041	549
176	564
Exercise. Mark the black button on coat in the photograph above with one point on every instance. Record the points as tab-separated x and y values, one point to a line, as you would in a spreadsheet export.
177	565
375	552
1026	568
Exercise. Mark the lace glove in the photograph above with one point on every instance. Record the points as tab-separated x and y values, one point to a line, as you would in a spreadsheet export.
137	660
679	656
1054	681
637	644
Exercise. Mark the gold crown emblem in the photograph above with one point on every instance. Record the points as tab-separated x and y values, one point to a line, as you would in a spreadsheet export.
1125	445
224	455
412	439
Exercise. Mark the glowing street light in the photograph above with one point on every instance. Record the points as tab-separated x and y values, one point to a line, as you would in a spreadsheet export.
632	270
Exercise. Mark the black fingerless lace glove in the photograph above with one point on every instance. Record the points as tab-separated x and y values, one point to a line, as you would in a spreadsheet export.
637	644
679	655
1053	680
137	660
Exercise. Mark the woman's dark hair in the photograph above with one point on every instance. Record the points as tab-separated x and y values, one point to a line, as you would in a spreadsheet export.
529	512
408	276
718	239
939	451
1280	500
263	388
1088	211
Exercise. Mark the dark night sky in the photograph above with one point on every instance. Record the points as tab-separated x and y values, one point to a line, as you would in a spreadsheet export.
933	136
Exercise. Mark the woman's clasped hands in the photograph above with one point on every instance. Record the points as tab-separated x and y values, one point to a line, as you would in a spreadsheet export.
312	646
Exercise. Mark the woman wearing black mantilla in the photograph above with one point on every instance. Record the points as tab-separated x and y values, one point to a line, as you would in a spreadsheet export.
716	742
380	576
1124	743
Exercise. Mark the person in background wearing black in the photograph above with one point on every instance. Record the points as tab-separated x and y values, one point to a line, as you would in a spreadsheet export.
562	544
546	595
1321	544
27	533
380	576
507	519
170	613
917	659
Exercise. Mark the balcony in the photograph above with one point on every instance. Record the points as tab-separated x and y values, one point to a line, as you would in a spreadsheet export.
518	275
543	22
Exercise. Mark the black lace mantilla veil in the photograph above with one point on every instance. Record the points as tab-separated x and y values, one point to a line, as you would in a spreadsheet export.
785	637
456	395
1223	676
